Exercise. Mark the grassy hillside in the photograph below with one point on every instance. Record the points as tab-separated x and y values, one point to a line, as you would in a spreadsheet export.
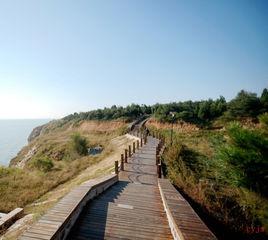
223	171
53	158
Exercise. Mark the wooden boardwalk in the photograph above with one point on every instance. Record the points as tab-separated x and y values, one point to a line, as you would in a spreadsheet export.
130	209
134	204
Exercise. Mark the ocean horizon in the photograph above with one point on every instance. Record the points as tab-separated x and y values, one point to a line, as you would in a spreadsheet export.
13	136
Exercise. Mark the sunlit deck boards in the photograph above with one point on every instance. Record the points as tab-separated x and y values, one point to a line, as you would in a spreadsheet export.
132	208
57	222
184	219
138	206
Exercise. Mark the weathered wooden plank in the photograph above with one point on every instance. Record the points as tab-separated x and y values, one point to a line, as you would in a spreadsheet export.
63	215
183	220
8	219
132	208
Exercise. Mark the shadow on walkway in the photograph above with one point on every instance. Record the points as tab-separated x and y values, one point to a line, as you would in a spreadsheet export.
92	222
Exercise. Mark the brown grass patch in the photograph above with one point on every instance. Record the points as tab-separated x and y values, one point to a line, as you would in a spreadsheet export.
179	127
100	126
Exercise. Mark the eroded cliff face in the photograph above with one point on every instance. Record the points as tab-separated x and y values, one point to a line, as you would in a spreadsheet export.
52	140
28	151
36	133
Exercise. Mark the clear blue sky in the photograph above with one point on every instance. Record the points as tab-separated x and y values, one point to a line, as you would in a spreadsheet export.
58	57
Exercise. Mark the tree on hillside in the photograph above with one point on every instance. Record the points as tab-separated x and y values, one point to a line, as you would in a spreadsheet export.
186	116
204	110
162	113
264	100
79	144
245	104
220	106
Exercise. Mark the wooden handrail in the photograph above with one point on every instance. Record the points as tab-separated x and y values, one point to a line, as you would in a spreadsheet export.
179	211
69	208
7	220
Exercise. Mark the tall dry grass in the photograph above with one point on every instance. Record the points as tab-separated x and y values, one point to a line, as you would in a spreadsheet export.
194	166
19	187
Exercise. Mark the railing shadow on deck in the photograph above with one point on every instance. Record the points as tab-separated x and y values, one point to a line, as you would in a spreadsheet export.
99	206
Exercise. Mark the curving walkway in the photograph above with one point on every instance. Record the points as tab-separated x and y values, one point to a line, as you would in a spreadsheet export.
130	209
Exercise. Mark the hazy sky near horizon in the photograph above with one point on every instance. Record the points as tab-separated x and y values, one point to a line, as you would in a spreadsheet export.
59	57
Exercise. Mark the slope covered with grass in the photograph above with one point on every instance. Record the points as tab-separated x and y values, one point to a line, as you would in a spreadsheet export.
53	158
223	171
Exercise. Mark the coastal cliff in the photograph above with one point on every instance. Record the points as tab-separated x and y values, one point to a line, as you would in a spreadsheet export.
35	133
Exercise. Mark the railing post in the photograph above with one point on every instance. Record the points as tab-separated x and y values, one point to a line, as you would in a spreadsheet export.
157	159
145	139
122	162
134	147
157	151
129	150
159	173
125	155
116	167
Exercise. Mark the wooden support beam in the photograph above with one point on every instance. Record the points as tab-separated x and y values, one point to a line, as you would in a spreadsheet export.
122	162
126	155
129	150
159	171
134	149
157	151
157	159
116	170
160	144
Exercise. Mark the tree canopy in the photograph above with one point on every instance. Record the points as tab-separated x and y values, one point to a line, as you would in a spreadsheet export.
245	104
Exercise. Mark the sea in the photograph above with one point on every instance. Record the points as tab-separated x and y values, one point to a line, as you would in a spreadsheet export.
13	136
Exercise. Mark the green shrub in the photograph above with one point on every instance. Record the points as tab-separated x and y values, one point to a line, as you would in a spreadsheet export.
264	120
44	164
212	180
79	144
247	151
245	104
264	100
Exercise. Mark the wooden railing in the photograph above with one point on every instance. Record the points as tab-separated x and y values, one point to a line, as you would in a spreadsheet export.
139	143
58	221
8	219
136	145
184	223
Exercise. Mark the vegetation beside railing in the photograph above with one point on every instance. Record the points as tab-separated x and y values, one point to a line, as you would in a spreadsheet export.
224	172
